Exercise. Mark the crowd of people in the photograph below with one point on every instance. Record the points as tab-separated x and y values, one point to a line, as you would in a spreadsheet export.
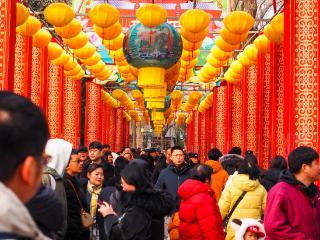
50	189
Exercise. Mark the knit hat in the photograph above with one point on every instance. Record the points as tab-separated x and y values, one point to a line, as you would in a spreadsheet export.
248	224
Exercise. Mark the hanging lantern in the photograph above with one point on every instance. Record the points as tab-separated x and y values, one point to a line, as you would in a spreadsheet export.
30	27
277	23
97	67
41	38
190	46
85	52
220	55
117	55
22	14
272	35
232	38
189	64
59	14
195	20
262	43
104	74
231	79
54	50
74	71
114	44
78	76
234	74
104	15
251	52
69	31
236	67
189	55
78	41
108	33
224	46
94	59
194	37
62	60
71	64
244	60
151	15
210	70
215	62
238	22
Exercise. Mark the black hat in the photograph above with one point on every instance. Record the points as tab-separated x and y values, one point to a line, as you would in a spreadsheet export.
82	149
193	155
95	145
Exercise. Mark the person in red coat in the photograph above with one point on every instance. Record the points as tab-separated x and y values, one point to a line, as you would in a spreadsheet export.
199	213
293	204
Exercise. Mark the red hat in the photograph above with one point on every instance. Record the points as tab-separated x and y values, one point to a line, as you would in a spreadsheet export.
256	230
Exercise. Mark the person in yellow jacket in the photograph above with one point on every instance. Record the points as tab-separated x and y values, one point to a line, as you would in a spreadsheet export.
219	176
254	201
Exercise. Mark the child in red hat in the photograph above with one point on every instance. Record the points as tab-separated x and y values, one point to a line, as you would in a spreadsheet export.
248	229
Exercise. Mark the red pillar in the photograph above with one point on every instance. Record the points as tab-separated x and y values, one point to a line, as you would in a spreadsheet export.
236	111
119	143
221	118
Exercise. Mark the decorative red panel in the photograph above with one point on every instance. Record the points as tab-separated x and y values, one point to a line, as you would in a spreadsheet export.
35	95
119	143
103	122
112	128
93	120
196	132
71	111
202	136
236	126
54	111
220	109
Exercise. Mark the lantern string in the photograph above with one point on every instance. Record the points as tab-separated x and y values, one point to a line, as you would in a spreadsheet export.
194	4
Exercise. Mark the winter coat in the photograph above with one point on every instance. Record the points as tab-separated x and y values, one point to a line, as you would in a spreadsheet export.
47	211
160	165
251	206
171	178
173	227
270	178
293	210
142	216
219	177
199	214
15	218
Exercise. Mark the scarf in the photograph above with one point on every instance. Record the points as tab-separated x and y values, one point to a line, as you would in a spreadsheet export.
95	192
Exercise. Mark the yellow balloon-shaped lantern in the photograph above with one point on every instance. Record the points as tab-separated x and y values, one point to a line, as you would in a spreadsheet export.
85	52
59	14
262	43
94	59
78	76
210	70
151	15
71	64
54	50
41	38
190	46
272	35
232	38
215	62
194	37
238	22
115	43
108	33
195	20
62	60
220	55
104	15
30	27
244	60
97	67
104	74
69	31
73	71
251	52
78	41
225	46
189	55
22	14
236	67
277	23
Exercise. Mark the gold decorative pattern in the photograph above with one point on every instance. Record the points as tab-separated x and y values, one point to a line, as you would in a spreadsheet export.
236	116
280	101
119	130
266	143
19	66
196	132
220	109
112	128
35	76
54	104
252	109
202	130
71	110
306	73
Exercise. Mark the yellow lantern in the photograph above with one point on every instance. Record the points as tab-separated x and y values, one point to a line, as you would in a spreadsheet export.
78	41
22	14
121	63
262	43
231	79
30	27
59	14
62	60
272	35
251	52
103	73
234	74
232	38
94	59
71	64
54	50
220	55
117	55
151	15
97	67
238	22
236	67
73	71
176	96
69	31
277	23
104	15
190	46
78	76
108	33
151	77
85	52
195	20
41	38
189	55
189	64
244	60
210	70
224	46
114	44
194	37
215	62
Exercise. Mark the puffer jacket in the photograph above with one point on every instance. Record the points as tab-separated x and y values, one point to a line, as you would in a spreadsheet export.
219	177
199	214
251	206
173	227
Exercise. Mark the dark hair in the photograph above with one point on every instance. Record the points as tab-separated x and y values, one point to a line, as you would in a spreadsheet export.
193	155
214	154
301	155
93	166
82	149
246	167
251	158
74	151
201	172
235	150
176	148
119	165
230	162
95	145
23	132
122	150
136	174
105	146
248	152
278	162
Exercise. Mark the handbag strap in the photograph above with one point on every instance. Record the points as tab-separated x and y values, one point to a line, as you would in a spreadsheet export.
226	219
74	189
